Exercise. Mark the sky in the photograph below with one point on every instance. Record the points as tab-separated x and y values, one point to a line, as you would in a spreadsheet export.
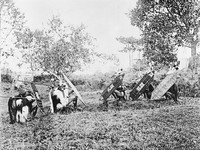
105	20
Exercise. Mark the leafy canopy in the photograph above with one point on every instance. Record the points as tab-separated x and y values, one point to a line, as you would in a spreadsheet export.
11	20
167	24
131	44
58	48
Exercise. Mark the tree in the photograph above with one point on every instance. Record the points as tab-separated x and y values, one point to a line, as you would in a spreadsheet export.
11	20
131	44
170	22
34	45
106	58
72	47
58	48
159	50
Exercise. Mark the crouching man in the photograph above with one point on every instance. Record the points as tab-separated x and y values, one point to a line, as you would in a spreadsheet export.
59	97
119	94
21	106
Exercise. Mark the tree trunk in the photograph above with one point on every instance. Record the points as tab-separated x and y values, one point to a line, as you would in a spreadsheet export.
194	57
1	49
129	54
0	58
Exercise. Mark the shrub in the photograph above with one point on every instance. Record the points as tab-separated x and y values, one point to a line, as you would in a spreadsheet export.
40	78
91	82
6	78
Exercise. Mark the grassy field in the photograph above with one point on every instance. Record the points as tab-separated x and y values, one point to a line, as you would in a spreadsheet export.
138	125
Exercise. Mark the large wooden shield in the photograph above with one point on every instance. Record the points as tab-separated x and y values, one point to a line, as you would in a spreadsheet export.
112	86
141	86
164	86
73	87
38	100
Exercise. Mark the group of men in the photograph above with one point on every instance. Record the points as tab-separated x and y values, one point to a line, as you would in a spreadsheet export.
172	92
60	96
23	106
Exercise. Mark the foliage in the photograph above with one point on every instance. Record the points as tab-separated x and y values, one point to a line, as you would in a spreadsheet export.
57	48
131	44
42	78
140	65
105	58
188	86
83	82
6	78
189	90
73	47
158	50
11	20
166	25
34	44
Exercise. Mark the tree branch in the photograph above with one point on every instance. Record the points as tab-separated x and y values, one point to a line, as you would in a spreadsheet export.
53	74
6	37
184	45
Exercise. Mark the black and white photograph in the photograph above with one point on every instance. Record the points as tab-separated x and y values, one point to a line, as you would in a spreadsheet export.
99	75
